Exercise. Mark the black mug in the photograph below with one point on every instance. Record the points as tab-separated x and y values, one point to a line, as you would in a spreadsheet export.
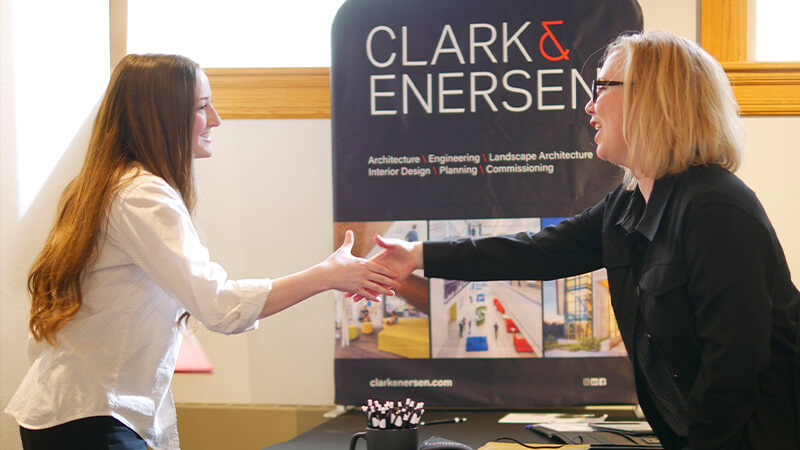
388	439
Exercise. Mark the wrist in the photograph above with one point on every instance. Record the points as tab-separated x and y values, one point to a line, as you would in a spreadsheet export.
319	277
418	255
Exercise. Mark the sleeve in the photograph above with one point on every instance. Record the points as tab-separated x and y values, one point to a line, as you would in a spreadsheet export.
730	258
572	247
151	223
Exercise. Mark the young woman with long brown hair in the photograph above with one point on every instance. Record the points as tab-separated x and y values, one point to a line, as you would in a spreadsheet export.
123	266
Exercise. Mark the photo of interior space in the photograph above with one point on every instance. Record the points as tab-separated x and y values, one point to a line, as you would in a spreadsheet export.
396	326
496	319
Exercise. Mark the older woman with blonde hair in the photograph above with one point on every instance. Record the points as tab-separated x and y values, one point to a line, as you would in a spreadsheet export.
699	283
124	265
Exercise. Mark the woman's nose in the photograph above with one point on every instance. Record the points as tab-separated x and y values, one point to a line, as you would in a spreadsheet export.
589	108
215	120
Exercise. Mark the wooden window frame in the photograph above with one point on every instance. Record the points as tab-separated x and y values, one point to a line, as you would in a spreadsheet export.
762	89
292	93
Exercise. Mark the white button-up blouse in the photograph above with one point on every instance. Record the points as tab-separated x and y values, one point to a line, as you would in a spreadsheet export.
117	355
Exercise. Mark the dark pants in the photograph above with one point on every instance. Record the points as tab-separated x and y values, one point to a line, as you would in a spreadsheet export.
91	433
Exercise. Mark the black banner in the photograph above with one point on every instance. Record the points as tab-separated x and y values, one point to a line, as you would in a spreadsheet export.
466	118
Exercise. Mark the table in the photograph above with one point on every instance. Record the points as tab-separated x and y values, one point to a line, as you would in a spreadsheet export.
481	427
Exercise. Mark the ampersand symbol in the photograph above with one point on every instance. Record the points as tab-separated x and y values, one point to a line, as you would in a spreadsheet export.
549	34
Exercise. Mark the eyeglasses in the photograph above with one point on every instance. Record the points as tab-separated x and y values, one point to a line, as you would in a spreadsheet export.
601	83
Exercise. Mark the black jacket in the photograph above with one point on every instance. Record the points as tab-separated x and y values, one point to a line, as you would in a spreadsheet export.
702	264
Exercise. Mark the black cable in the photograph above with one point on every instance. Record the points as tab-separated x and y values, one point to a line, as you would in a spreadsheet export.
506	438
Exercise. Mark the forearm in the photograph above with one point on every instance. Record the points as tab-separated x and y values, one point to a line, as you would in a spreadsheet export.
293	289
523	256
341	271
414	290
571	247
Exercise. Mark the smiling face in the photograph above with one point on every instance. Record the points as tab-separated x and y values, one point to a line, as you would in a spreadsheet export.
606	114
205	119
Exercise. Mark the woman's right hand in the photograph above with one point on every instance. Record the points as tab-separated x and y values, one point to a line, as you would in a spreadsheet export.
402	257
341	271
399	256
364	277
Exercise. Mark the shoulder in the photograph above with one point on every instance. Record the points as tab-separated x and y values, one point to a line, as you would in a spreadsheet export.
143	194
141	182
710	190
141	186
615	202
619	194
713	176
705	185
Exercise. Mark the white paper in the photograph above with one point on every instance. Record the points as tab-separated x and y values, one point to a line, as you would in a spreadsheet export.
548	418
625	427
572	426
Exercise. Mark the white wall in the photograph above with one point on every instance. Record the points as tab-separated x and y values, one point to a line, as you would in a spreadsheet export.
265	206
266	209
52	74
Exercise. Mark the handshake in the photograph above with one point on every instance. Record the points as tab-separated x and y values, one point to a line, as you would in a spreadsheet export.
397	256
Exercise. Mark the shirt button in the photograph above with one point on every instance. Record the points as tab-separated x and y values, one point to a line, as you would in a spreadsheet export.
648	336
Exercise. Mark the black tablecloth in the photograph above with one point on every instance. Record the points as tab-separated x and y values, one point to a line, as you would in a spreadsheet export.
480	428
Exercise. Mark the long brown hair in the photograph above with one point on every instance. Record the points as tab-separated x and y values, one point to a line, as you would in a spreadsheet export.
144	122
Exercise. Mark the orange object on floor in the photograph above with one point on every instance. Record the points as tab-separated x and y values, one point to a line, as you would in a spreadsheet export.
511	327
521	344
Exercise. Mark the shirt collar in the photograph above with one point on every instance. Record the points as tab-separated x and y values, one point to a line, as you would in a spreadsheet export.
646	223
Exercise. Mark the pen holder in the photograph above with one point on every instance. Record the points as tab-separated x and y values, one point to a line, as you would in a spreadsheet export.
387	439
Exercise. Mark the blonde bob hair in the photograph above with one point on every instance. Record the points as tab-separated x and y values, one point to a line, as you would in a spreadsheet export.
679	108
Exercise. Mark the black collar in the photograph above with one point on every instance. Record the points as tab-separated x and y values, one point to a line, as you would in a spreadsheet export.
646	223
